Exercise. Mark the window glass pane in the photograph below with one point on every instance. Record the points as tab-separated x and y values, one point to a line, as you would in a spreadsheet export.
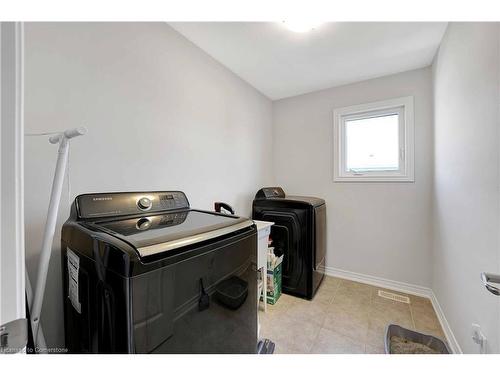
372	144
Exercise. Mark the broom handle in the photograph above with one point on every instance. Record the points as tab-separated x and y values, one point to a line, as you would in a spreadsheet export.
50	225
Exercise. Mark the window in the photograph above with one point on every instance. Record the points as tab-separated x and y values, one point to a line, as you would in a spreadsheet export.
374	142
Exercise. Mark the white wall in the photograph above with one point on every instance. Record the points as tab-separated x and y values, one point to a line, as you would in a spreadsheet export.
378	229
160	113
466	179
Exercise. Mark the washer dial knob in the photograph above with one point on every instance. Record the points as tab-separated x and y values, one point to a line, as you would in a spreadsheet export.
143	223
144	203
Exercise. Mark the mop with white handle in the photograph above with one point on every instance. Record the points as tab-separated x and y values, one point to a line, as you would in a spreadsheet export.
50	225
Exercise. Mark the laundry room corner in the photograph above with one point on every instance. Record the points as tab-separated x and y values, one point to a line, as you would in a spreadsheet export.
380	229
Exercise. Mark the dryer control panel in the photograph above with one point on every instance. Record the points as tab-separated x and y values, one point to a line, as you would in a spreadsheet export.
270	192
117	204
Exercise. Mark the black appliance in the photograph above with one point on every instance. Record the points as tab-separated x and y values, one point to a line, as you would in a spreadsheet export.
144	273
299	232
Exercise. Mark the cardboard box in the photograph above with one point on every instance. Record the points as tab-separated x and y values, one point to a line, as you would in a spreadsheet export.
273	292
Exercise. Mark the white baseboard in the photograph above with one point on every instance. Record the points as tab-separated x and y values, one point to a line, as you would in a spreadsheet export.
399	286
450	337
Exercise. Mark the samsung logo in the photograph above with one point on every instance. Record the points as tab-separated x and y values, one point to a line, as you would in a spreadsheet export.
102	199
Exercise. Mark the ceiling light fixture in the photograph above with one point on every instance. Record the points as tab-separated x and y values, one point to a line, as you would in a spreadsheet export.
301	26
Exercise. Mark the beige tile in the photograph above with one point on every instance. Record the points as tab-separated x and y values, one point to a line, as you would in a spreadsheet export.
351	302
382	304
353	292
425	314
344	317
331	342
349	321
427	322
281	306
283	302
421	302
398	311
425	318
324	294
331	282
265	321
283	349
375	349
274	312
375	336
354	289
286	332
310	311
353	286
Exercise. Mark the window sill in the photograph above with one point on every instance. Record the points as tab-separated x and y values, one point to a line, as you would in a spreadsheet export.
373	179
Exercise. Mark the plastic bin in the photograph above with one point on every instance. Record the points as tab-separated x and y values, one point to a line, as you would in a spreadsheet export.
232	292
417	337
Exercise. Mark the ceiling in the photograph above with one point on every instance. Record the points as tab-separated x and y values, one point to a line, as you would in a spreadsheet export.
281	63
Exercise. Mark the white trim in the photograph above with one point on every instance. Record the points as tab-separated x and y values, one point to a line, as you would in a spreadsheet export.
399	286
450	337
407	140
12	290
21	262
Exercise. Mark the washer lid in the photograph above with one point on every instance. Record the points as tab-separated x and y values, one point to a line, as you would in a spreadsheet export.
313	201
159	233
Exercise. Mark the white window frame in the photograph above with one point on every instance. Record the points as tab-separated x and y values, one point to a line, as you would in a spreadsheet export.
404	108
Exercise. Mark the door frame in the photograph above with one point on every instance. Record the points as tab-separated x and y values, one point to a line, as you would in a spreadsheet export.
12	256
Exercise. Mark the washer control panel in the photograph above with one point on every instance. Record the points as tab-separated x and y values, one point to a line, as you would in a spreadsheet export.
118	204
270	192
144	203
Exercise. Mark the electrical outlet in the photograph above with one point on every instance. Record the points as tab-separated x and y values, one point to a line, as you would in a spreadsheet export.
479	338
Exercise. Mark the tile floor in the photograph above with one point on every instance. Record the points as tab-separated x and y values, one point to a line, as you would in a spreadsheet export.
344	317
